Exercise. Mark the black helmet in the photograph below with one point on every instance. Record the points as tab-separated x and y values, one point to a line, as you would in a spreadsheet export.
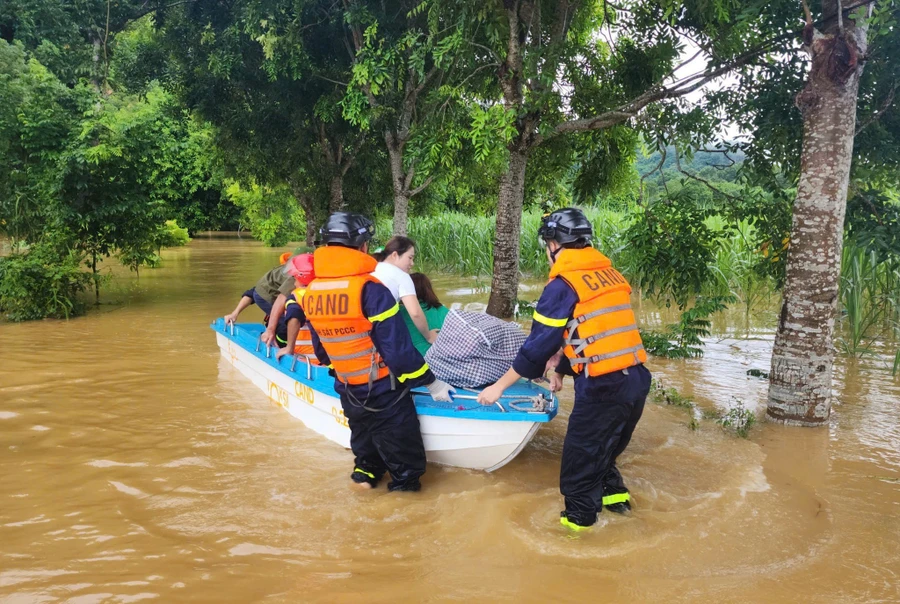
568	225
346	228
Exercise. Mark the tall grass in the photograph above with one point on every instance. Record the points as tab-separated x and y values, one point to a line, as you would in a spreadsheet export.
869	289
464	244
735	274
869	297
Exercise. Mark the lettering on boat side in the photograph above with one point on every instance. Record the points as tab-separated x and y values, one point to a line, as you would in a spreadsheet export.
305	393
339	417
278	394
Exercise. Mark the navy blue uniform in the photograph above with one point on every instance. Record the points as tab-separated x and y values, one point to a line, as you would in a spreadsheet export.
384	425
606	410
293	310
266	306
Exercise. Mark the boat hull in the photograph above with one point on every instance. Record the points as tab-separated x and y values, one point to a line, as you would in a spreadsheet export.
483	444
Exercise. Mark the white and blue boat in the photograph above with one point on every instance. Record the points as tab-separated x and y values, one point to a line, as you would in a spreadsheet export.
462	433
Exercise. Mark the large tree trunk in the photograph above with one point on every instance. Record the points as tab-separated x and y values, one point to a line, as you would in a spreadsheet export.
401	212
802	361
505	282
336	195
398	185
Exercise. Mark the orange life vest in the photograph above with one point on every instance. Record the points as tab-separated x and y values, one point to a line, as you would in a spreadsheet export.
602	335
303	345
333	305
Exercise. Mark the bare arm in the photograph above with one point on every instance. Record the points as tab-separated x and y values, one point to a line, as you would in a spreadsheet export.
244	303
491	394
277	310
293	328
418	317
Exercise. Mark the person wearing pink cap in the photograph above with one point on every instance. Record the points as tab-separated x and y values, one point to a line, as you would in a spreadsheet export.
270	291
299	339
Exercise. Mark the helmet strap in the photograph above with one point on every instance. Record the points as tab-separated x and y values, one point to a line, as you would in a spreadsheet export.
555	252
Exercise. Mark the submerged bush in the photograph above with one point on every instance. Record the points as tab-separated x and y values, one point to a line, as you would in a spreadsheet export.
42	282
172	235
738	419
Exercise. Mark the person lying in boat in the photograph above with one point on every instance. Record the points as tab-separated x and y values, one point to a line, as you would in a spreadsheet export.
435	313
299	340
269	294
586	307
395	261
475	349
357	330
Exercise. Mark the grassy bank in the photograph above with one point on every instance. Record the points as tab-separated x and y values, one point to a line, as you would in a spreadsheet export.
463	244
869	306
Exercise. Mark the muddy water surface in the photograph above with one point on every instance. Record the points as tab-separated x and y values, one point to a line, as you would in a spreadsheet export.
136	464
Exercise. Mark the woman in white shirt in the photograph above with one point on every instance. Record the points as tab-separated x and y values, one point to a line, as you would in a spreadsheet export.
393	268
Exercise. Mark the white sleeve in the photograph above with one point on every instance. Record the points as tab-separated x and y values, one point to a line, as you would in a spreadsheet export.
407	288
387	277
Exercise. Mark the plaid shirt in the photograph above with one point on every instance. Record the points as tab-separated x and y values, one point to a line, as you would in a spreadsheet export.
474	349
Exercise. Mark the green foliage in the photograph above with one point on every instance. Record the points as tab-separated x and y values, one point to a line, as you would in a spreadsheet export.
104	171
172	235
272	213
463	244
107	199
44	281
676	247
873	221
869	296
738	420
685	338
38	119
671	396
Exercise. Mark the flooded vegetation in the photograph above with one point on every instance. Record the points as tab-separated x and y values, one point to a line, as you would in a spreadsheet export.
138	464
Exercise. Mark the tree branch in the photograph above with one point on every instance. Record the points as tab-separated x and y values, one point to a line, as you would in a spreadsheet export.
321	77
421	187
348	159
144	13
888	101
410	174
675	90
662	160
703	181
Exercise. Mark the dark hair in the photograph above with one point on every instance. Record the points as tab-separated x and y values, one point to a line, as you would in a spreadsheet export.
379	256
399	244
577	245
424	291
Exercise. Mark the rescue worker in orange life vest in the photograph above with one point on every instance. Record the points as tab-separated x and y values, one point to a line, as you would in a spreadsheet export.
357	330
299	340
586	307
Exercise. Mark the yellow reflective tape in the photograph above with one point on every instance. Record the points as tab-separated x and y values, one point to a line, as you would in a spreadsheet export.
571	525
418	372
289	302
393	310
616	498
361	471
548	321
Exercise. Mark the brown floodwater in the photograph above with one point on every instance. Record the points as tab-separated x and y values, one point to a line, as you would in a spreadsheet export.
136	464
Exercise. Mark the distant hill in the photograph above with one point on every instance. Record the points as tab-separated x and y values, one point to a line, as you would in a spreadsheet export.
701	160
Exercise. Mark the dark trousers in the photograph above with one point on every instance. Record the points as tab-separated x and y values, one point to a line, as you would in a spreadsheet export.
388	440
607	409
266	306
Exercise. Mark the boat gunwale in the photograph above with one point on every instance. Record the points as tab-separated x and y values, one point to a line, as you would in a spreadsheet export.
244	334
